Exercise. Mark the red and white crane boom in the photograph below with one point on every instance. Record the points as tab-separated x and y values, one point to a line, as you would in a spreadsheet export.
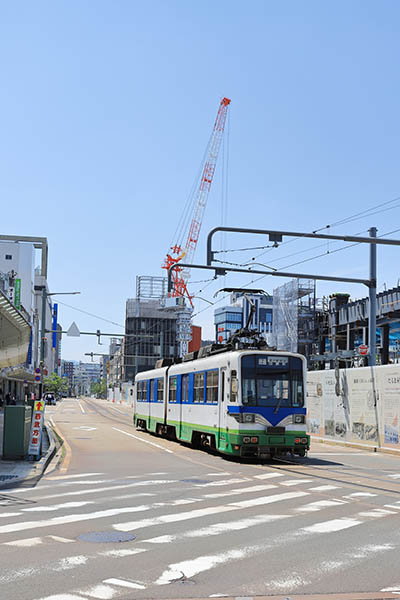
180	277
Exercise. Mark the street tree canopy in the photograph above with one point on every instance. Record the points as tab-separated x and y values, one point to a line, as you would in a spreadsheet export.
56	384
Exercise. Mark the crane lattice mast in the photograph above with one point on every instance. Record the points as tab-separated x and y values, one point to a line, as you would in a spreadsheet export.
180	276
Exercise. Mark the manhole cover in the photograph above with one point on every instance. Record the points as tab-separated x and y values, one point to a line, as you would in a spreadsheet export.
106	536
199	481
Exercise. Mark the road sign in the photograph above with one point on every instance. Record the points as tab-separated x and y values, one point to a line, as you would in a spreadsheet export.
37	378
363	350
37	370
73	331
36	428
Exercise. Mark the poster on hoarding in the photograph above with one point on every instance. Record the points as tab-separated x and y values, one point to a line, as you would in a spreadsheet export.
314	405
390	395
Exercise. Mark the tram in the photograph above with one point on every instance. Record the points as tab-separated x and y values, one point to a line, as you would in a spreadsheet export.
245	401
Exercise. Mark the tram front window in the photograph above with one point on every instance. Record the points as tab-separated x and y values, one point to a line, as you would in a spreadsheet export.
273	387
270	390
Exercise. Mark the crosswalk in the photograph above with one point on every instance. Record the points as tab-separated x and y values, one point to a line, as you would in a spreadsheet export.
210	522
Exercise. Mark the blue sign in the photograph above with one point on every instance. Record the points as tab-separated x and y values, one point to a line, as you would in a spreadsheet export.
55	314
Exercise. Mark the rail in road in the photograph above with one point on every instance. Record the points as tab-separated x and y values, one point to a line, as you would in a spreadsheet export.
130	520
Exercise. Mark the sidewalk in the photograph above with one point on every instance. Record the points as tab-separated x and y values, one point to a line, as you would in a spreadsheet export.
15	473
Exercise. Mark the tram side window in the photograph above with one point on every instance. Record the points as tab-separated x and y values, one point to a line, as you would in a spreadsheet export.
160	390
212	387
152	390
185	388
234	386
297	389
139	391
198	391
172	389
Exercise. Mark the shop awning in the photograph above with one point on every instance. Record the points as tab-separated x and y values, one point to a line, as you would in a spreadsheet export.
15	334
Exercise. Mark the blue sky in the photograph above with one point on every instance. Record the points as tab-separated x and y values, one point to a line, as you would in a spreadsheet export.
106	108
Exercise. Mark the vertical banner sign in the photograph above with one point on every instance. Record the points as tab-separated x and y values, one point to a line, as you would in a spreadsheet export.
36	428
54	327
17	294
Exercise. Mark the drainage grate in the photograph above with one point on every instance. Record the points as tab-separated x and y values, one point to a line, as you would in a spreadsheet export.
198	481
7	500
106	536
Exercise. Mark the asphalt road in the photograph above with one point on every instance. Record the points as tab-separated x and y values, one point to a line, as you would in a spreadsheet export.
198	525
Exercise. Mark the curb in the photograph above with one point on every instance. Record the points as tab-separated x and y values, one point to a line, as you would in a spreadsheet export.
39	466
355	445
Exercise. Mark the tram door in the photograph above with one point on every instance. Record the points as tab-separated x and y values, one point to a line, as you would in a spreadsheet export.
183	403
221	407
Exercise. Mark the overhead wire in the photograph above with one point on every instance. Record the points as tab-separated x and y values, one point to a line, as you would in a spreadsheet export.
312	258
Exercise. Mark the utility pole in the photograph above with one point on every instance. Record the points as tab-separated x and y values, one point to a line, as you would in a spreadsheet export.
45	295
372	300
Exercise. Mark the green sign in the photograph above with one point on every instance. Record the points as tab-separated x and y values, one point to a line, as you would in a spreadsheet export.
17	294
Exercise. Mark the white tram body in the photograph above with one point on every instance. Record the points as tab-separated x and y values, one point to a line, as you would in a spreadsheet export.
248	403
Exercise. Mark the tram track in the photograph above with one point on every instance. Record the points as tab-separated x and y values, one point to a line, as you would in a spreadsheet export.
345	478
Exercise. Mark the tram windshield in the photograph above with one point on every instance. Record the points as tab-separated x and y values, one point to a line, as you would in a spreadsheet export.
275	381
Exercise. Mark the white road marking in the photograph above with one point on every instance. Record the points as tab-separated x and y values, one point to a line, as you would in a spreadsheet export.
395	476
319	505
113	487
323	488
14	514
62	597
35	541
100	591
336	453
218	528
268	475
201	512
221	482
332	525
221	474
125	583
122	553
254	488
396	506
376	512
100	514
268	499
85	428
70	562
360	495
78	476
57	506
81	407
197	565
144	441
292	482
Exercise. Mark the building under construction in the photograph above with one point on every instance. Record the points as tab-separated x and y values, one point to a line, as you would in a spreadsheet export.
294	316
151	330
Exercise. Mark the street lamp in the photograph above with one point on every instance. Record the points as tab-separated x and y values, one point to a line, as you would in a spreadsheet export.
45	295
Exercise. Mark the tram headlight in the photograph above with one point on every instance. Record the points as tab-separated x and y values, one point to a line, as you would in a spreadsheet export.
297	419
248	418
254	440
246	439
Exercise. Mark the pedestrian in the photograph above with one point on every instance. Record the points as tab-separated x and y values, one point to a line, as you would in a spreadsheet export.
8	398
1	399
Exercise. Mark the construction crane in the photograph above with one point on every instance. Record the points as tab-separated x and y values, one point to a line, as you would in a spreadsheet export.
177	252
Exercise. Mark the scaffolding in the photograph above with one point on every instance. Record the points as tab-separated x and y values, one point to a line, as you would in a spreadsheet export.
293	308
151	287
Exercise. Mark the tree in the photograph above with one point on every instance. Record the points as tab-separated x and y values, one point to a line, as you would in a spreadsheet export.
99	388
56	384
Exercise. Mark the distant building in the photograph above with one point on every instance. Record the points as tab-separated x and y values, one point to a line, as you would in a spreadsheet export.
230	318
151	334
